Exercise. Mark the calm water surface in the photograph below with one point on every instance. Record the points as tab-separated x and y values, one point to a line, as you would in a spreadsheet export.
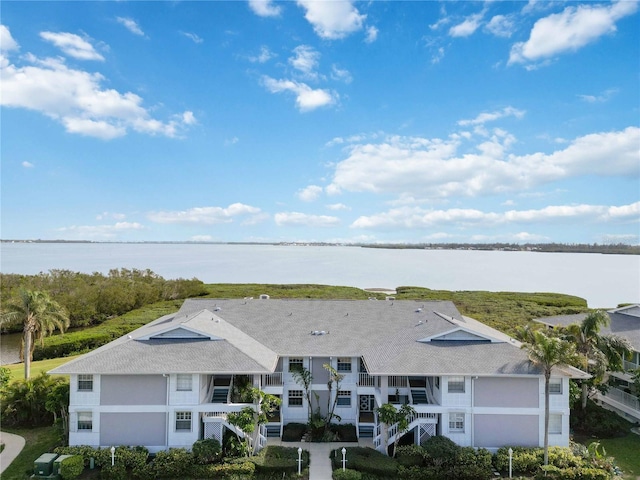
603	280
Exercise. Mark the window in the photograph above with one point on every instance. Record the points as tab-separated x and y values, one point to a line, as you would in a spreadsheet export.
295	398
456	385
555	424
344	398
295	364
184	382
85	421
456	422
183	421
555	386
85	383
344	364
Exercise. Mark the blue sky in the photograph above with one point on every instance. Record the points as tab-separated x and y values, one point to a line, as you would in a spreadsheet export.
321	121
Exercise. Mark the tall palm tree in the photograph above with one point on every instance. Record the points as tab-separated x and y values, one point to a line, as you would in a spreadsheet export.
547	353
597	353
40	316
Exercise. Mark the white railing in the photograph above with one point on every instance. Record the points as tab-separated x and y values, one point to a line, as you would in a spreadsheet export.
272	379
624	398
630	365
366	380
397	382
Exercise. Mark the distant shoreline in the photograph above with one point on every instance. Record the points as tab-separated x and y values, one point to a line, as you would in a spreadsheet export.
612	249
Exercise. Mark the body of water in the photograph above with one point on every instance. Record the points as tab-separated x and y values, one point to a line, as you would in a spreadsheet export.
603	280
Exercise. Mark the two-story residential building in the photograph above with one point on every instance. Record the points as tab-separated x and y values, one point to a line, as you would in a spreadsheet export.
624	322
174	380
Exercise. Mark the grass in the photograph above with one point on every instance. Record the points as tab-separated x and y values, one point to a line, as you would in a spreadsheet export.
38	441
626	451
16	370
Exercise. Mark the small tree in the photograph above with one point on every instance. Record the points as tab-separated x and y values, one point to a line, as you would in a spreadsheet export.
244	420
58	404
304	378
389	415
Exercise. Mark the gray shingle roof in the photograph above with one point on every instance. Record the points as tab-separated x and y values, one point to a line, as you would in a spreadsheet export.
255	333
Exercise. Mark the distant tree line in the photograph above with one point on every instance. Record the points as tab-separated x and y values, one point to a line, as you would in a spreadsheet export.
90	299
611	248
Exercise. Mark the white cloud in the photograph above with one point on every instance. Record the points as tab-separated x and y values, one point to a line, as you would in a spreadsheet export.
26	164
76	99
100	231
501	26
310	193
115	216
204	215
7	43
338	206
434	168
332	19
467	27
297	219
305	60
188	118
603	97
72	45
307	99
130	25
492	116
437	56
201	238
410	217
231	141
340	74
570	30
264	8
372	34
264	56
195	38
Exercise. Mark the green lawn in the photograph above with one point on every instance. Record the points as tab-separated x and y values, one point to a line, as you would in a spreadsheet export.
17	369
626	451
38	441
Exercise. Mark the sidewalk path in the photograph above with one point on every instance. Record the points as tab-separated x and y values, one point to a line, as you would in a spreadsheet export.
319	461
13	445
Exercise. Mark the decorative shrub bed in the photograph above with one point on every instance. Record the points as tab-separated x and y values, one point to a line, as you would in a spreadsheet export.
293	432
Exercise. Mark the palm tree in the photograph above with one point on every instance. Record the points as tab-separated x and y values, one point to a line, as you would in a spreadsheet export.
547	353
597	353
40	316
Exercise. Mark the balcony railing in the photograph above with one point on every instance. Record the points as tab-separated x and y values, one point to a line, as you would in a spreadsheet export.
272	379
630	365
366	380
624	398
397	382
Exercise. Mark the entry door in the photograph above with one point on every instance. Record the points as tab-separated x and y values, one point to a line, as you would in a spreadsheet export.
367	403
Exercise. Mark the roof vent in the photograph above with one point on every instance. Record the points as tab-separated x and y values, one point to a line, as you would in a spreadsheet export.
390	298
319	332
264	296
419	310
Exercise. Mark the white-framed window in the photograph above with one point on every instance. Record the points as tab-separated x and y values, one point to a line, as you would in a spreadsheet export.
344	398
183	421
183	382
555	386
456	422
295	398
455	385
295	364
344	364
85	421
555	424
85	383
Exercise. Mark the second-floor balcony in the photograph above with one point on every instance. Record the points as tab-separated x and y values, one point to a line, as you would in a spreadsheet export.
623	398
272	380
630	366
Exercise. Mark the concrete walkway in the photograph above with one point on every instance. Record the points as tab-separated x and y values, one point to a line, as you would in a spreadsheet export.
319	461
13	445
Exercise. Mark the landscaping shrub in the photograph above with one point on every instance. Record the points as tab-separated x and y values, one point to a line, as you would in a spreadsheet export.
173	463
71	467
346	474
551	472
115	472
346	432
233	470
293	432
277	459
366	460
599	422
525	460
410	455
440	451
207	451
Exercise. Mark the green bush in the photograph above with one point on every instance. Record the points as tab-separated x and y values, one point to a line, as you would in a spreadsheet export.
173	463
115	472
233	470
366	460
440	451
599	422
525	460
24	401
278	459
551	472
346	474
293	432
71	467
410	455
207	451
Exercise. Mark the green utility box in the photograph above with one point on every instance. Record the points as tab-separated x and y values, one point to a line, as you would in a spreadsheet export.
43	466
58	462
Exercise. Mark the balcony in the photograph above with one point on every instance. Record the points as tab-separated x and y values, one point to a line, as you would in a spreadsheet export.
630	366
623	398
366	380
272	380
